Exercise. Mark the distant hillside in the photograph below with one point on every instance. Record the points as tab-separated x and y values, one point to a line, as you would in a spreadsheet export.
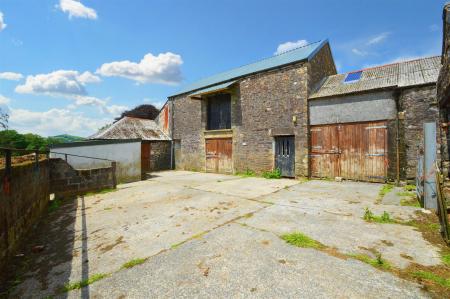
68	138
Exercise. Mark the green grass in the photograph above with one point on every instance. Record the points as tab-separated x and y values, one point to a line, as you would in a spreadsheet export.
432	277
406	193
103	191
377	262
369	216
301	240
385	190
54	205
410	202
132	263
446	259
410	187
274	174
81	284
246	174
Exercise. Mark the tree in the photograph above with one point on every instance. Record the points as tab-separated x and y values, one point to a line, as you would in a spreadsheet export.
4	117
146	111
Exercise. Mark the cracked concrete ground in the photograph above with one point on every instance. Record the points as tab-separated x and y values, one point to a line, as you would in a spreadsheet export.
212	235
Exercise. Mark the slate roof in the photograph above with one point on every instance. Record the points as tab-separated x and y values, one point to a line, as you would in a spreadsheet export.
286	58
132	128
401	74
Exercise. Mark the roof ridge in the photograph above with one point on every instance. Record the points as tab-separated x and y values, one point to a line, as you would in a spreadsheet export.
392	64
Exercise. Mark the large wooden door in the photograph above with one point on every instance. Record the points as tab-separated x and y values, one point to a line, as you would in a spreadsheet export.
285	155
145	158
219	155
356	151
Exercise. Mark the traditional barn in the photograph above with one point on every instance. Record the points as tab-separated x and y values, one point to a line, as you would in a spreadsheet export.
254	117
367	125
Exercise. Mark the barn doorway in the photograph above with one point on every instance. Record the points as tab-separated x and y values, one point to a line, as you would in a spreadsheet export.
285	155
356	151
219	152
145	159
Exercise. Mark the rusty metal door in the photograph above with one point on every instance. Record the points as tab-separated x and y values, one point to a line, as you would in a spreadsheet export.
356	151
285	155
145	158
219	155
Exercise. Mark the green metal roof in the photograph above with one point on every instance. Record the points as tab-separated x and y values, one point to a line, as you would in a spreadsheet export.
212	88
296	55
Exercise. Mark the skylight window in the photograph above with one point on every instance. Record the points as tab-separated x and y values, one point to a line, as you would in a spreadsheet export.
353	77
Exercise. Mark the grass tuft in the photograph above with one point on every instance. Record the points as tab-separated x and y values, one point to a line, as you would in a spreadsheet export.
81	284
54	205
432	277
132	263
446	259
301	240
410	187
369	216
385	190
246	174
274	174
377	262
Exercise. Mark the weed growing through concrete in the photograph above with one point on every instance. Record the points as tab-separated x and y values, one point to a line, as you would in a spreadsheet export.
274	174
410	202
377	262
54	205
410	187
369	216
247	173
432	277
446	259
103	191
383	191
81	284
301	240
132	263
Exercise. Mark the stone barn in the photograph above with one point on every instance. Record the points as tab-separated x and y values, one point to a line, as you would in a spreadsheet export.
367	125
254	117
155	149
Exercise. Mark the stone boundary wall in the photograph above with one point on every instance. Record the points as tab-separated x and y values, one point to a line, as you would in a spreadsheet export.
67	181
21	209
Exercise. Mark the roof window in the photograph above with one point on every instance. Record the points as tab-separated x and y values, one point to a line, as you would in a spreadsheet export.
353	77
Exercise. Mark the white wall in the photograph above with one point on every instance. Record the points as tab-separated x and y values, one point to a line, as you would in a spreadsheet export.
127	155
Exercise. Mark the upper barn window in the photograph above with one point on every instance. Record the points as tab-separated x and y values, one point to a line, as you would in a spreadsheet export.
219	112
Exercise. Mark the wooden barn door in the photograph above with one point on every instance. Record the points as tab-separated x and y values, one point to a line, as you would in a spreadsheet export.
219	155
145	158
356	151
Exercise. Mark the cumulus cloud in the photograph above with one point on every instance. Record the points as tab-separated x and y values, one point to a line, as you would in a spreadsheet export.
102	105
378	38
76	9
11	76
164	69
4	100
54	121
359	52
2	22
58	83
290	46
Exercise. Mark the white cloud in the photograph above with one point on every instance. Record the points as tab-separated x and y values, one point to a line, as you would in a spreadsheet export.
76	9
359	52
54	121
4	100
155	102
58	83
164	68
2	22
11	76
102	105
378	38
290	46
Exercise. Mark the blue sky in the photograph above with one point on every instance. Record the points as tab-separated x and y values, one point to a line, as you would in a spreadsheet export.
69	66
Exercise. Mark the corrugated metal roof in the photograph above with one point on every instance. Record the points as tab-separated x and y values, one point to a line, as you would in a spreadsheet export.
132	128
296	55
212	89
401	74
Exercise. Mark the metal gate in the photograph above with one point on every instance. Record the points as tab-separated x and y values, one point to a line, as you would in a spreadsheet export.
356	151
285	155
219	155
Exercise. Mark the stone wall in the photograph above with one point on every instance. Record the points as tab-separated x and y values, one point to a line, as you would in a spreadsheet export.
67	181
321	66
21	209
420	106
160	155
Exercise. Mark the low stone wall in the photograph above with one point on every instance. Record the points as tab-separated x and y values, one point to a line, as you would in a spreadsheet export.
21	209
67	181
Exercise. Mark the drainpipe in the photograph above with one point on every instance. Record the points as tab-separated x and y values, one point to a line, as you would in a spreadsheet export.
397	125
170	105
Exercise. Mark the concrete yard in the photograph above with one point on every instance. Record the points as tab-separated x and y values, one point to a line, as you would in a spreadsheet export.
218	236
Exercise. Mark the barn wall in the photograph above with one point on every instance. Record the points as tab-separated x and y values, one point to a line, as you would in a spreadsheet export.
419	105
353	108
160	155
127	155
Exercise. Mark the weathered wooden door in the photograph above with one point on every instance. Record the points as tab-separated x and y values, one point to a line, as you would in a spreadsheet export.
285	155
356	151
145	158
219	155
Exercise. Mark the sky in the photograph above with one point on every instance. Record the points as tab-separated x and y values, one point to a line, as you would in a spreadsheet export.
72	66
